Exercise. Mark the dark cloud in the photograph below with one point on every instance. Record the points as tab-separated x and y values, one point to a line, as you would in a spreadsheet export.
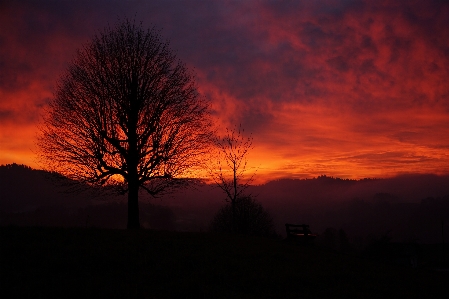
287	70
256	119
407	136
6	116
228	41
15	75
339	63
392	158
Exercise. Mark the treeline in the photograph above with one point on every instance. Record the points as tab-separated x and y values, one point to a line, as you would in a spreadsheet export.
413	208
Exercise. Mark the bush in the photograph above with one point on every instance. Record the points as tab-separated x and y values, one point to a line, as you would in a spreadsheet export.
250	219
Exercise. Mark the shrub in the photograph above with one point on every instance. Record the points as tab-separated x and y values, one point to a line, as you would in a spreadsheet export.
250	219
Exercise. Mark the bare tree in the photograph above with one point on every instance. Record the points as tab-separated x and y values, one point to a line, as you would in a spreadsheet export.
229	166
126	114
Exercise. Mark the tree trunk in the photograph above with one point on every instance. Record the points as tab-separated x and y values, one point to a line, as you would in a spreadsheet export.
234	200
133	187
133	158
234	228
133	205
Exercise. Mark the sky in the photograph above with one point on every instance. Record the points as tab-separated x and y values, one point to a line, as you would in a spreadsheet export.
349	89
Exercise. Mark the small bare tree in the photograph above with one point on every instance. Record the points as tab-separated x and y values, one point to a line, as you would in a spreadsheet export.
229	166
126	114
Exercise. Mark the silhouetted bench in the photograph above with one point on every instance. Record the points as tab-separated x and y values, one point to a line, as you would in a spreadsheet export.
299	232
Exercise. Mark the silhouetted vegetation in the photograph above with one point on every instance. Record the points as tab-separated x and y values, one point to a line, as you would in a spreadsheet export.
249	216
365	210
126	114
227	168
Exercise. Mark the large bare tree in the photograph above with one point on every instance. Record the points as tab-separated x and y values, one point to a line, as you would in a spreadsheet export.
229	166
126	114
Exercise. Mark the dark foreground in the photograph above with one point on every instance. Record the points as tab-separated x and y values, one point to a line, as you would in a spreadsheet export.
77	263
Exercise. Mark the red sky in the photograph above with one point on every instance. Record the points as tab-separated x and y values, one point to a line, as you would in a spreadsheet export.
350	89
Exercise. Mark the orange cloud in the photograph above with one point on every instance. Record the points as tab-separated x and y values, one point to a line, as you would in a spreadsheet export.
349	89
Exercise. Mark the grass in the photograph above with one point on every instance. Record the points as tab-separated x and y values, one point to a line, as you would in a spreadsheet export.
74	263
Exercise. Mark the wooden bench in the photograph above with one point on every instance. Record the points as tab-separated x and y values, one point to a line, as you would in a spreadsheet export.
299	232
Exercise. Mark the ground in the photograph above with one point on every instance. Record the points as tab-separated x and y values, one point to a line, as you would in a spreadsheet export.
74	263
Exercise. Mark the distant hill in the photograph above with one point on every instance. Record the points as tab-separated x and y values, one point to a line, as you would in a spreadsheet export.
36	197
407	188
25	189
409	207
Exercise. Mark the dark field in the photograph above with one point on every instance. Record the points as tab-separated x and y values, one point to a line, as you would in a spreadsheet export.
77	263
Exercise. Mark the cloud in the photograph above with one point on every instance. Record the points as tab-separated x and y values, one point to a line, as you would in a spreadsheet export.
6	115
321	85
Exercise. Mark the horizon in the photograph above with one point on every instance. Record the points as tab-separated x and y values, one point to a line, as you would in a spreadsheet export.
350	90
210	182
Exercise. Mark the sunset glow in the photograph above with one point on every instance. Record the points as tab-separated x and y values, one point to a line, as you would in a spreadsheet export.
350	89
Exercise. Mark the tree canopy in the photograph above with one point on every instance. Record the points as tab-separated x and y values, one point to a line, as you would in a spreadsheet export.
126	114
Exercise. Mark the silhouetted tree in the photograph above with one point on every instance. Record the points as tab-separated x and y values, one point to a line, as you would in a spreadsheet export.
228	167
248	216
329	236
126	114
344	244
